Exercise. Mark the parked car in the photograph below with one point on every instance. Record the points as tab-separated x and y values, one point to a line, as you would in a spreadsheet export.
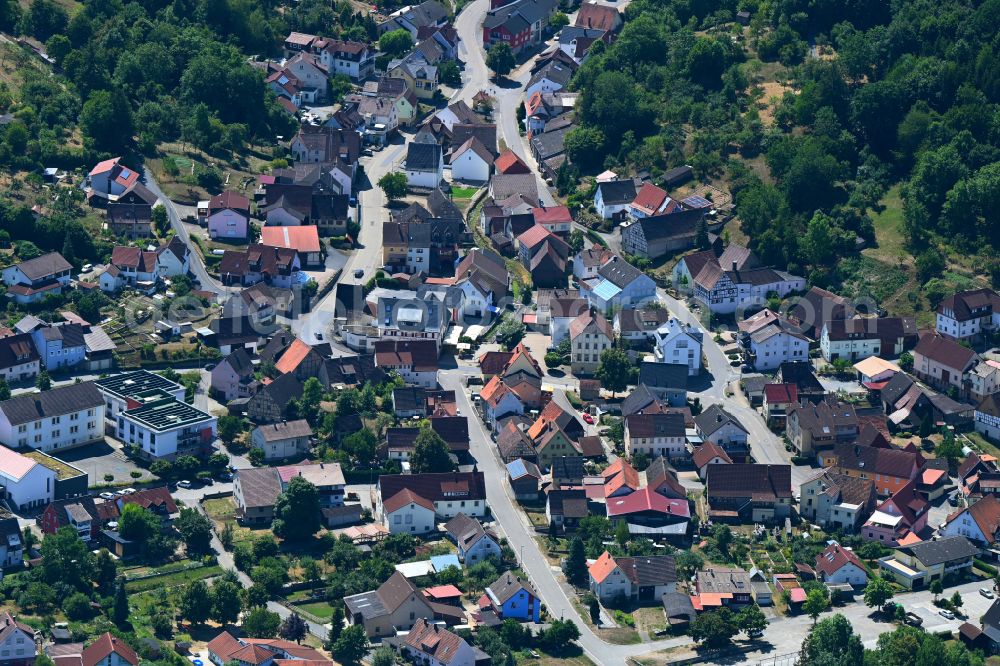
913	619
588	419
184	484
986	592
107	496
946	614
87	268
359	273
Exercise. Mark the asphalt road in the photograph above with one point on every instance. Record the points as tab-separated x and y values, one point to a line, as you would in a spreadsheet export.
208	283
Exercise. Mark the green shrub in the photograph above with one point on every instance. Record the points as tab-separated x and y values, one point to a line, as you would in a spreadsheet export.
624	619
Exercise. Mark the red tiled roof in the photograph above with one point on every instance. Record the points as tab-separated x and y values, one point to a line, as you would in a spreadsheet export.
509	162
781	393
551	214
292	357
229	199
649	198
404	497
303	239
834	557
647	500
706	452
152	497
602	567
534	236
102	648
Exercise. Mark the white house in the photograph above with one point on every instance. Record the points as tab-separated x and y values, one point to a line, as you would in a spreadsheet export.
311	75
967	314
979	522
19	640
613	197
26	482
408	513
162	427
415	361
282	440
61	417
987	417
607	580
173	259
471	162
717	425
424	165
29	281
860	338
770	340
679	343
728	291
587	262
475	543
432	645
353	59
656	435
19	359
589	335
837	565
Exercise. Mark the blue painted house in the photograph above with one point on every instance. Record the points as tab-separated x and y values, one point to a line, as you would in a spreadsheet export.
511	596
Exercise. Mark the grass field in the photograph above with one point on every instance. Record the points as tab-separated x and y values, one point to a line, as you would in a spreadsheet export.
524	659
221	511
463	192
320	609
174	579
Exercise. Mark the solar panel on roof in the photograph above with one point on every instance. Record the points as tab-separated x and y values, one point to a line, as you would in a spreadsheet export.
697	202
126	173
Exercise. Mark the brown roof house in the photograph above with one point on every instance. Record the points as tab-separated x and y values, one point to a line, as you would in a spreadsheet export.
837	500
980	522
743	493
943	363
589	334
397	605
813	428
255	491
432	644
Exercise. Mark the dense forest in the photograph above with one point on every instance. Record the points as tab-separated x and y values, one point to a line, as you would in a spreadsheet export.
878	93
137	74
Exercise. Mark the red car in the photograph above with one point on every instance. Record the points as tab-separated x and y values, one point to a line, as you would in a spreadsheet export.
588	419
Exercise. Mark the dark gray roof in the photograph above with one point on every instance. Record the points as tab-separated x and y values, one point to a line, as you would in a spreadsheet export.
442	206
638	399
504	185
550	144
426	13
568	467
715	417
44	266
554	71
485	132
619	272
663	375
671	225
930	553
54	402
655	425
649	570
413	213
617	191
259	487
677	605
423	156
508	585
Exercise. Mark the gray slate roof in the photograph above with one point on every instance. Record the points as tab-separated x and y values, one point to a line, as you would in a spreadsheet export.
54	402
423	156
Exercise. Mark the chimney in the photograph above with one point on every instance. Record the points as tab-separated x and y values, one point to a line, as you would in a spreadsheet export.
734	266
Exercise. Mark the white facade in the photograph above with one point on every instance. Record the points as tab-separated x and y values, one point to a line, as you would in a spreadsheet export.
727	297
169	265
418	259
671	447
542	85
614	584
51	433
960	330
425	179
26	483
279	448
483	549
848	573
607	211
586	350
474	303
677	343
165	440
988	425
410	518
470	167
21	371
855	349
776	348
965	525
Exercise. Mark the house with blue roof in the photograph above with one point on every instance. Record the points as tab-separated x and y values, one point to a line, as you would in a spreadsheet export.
618	285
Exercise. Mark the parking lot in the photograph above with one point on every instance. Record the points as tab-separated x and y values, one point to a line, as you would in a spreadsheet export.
101	458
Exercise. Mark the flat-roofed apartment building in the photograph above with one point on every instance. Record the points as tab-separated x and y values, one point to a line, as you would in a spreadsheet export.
162	427
120	393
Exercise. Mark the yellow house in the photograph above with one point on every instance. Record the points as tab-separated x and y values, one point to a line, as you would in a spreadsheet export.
421	78
394	244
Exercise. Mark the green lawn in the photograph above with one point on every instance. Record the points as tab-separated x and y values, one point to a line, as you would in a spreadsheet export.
463	192
173	579
889	228
320	609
